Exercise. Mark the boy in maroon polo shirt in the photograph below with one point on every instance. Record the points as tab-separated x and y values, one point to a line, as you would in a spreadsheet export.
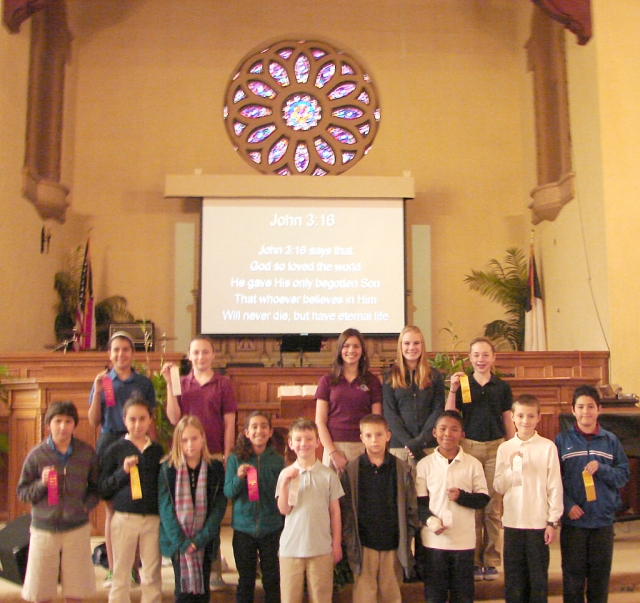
209	397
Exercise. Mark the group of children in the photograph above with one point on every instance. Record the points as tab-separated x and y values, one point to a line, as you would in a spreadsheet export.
172	503
297	521
582	474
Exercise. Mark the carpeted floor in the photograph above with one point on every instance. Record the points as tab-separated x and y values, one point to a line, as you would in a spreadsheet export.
625	578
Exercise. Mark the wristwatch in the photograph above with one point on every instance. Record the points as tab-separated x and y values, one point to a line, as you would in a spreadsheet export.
554	524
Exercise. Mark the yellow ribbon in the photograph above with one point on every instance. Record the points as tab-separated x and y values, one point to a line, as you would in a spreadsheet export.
465	389
589	486
136	487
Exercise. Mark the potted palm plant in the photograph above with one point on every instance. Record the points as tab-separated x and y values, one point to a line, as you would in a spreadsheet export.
505	283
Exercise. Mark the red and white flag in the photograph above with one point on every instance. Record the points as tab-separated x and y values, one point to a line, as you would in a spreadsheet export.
85	315
535	339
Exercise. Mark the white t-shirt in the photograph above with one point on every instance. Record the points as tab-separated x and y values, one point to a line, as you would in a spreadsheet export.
434	476
307	528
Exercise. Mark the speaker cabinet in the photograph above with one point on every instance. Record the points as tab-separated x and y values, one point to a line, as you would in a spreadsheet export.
14	549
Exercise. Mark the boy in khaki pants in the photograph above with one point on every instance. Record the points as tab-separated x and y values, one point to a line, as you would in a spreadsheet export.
310	543
379	511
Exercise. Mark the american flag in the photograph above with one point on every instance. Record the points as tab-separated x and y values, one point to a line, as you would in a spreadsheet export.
85	315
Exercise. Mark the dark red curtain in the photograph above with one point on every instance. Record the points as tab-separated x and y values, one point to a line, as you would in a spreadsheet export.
16	11
575	15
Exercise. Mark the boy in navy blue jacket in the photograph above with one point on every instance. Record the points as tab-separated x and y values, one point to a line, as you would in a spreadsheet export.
594	467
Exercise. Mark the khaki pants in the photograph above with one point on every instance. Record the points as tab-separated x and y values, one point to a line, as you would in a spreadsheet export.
379	579
66	554
319	571
489	519
127	529
349	450
403	455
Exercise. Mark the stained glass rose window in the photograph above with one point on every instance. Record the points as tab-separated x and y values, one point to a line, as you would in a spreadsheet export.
301	108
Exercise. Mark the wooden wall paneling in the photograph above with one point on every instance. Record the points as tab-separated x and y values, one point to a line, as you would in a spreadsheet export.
271	390
73	365
4	465
536	365
249	392
548	425
292	407
25	429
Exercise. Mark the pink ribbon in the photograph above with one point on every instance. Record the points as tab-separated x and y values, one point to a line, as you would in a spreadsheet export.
109	394
52	487
252	484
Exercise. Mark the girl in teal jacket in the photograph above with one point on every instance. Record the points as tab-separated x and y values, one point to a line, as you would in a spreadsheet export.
252	473
192	505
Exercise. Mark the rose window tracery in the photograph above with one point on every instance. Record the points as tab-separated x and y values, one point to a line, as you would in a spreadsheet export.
301	108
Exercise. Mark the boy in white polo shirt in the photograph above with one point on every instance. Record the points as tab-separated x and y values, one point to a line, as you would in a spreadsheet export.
450	485
528	475
311	542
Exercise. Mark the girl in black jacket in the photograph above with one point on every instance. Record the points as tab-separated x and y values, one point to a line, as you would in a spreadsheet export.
412	398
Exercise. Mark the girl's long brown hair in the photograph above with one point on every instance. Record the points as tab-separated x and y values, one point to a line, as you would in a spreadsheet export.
338	363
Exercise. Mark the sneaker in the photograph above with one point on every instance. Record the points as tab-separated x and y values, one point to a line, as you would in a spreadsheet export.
108	581
217	583
135	576
478	573
490	573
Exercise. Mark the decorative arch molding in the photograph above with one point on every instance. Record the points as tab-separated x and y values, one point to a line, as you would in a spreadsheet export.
49	52
575	15
15	12
547	61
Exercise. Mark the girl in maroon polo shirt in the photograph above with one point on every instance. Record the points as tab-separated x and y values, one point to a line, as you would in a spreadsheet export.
343	397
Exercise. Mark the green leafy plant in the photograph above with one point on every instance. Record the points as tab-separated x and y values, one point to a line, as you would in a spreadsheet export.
505	283
4	372
450	362
164	429
4	438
